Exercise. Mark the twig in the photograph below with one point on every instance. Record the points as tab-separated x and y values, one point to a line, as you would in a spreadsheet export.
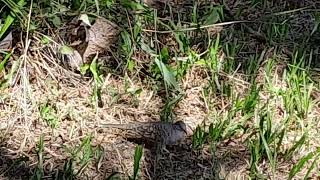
194	28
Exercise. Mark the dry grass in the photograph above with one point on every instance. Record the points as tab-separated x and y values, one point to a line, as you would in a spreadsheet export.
43	79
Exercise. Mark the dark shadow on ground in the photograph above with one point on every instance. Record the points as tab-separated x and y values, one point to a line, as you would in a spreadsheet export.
184	162
18	166
13	167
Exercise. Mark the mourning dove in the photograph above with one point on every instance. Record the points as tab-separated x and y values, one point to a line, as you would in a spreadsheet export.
165	132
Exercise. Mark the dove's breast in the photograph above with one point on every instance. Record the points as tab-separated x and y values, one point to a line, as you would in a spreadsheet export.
170	135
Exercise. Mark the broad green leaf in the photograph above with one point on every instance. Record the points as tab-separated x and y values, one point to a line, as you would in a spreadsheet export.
164	55
113	176
130	65
168	76
195	14
132	5
94	70
45	40
137	30
201	62
56	21
127	43
212	17
9	20
147	48
84	68
11	17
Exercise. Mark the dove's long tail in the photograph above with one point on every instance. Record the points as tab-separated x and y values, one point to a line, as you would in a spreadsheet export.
118	126
131	126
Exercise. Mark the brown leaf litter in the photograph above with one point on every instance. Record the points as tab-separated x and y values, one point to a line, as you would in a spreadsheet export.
89	41
75	116
6	42
21	124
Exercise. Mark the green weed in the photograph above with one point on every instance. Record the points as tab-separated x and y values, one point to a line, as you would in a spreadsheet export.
96	97
81	155
166	72
49	114
199	137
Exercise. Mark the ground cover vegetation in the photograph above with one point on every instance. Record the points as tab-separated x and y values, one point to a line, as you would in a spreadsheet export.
244	74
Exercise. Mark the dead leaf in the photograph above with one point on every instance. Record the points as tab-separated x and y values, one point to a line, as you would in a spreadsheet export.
100	37
155	3
6	43
86	40
75	60
85	19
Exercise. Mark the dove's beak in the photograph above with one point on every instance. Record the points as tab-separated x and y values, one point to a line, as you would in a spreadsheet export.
189	130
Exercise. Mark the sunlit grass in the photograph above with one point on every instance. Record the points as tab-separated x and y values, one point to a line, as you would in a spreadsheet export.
256	94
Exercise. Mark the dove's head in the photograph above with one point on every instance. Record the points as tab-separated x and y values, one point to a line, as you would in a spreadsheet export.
178	133
180	125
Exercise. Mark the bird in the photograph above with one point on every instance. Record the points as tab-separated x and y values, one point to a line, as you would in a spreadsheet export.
165	133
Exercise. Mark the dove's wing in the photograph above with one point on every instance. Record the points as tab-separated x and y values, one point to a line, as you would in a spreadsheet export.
136	130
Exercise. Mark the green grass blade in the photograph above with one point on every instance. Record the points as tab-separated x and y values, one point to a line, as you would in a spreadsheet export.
280	139
199	137
313	164
137	158
296	146
268	151
5	60
94	71
9	20
298	167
